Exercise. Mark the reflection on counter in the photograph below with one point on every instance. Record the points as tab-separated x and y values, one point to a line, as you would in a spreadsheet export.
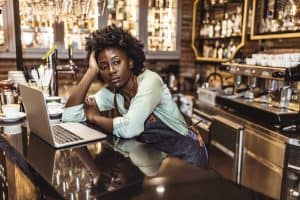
83	172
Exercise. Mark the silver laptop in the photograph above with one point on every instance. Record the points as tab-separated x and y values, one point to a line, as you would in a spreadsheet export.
59	135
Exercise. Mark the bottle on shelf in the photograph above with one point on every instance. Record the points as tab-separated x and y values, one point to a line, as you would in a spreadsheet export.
215	50
238	21
229	27
211	29
230	49
268	22
218	29
220	51
225	52
224	32
204	29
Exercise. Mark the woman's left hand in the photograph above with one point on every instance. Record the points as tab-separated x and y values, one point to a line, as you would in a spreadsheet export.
90	101
90	108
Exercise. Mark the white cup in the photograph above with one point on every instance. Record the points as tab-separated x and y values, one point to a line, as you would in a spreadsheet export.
10	110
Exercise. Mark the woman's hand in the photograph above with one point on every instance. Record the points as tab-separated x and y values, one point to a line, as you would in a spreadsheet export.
90	101
93	63
90	108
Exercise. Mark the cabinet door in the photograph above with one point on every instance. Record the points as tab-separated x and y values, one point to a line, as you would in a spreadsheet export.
263	163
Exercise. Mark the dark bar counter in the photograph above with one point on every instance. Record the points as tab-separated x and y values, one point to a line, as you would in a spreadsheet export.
108	169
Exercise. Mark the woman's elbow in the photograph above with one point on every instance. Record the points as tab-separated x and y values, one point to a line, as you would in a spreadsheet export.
73	118
131	132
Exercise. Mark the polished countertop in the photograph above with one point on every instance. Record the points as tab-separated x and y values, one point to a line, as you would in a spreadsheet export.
111	169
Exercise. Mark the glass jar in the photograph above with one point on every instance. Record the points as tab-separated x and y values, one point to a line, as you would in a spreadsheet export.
7	93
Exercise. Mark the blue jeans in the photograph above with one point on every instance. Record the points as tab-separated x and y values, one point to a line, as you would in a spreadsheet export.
163	138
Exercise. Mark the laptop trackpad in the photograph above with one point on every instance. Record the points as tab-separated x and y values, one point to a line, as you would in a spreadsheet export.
83	131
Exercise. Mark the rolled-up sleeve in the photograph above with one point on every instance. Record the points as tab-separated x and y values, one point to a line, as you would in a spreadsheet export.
104	100
74	114
141	106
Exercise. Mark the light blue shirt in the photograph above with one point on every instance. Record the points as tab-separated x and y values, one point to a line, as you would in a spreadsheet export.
152	96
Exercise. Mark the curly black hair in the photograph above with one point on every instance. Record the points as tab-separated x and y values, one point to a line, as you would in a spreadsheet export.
112	36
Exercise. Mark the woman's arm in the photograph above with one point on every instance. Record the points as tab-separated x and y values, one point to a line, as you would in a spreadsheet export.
79	93
141	106
96	117
104	122
87	159
148	96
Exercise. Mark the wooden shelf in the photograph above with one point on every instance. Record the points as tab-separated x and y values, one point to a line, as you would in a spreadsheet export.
258	8
197	41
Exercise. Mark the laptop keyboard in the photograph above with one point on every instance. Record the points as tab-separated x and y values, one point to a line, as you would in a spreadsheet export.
62	135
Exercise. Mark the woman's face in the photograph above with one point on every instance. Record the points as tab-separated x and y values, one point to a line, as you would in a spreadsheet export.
115	67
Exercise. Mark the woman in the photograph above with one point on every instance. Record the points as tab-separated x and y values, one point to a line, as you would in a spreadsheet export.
135	102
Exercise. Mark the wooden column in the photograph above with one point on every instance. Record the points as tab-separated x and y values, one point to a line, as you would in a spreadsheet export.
19	55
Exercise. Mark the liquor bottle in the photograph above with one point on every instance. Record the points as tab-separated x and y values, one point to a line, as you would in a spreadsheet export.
205	50
238	21
215	50
205	26
218	29
211	29
268	21
229	27
225	52
224	26
229	49
220	51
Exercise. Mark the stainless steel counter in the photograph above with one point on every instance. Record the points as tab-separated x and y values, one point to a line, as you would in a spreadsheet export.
263	147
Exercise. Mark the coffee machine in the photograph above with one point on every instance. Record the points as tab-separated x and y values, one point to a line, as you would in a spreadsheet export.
267	94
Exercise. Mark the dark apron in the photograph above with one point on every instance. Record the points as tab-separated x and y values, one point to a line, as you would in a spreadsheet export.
163	138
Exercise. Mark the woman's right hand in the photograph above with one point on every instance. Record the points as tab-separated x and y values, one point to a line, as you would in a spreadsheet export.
93	63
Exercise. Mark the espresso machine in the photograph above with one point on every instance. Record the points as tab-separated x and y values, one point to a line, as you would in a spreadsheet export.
267	94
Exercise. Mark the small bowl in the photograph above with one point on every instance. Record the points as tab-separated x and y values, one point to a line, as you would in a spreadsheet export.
54	107
53	99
